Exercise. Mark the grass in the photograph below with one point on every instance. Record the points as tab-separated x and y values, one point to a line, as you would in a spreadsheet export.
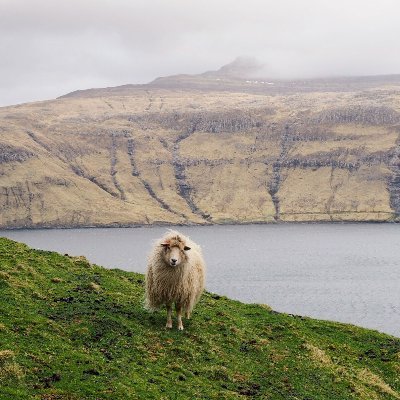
73	330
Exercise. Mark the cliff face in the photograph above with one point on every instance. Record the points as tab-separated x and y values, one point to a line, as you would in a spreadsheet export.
157	155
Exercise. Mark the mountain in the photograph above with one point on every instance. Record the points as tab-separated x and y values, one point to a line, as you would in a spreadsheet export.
73	330
245	74
209	148
241	67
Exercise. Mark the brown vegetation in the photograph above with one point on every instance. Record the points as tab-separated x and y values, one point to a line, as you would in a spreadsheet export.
152	155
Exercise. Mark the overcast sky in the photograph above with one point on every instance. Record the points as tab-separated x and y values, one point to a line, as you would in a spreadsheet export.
51	47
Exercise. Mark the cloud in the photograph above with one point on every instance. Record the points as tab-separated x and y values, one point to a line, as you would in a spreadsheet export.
49	48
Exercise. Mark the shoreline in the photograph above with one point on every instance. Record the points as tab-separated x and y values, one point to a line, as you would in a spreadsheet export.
166	224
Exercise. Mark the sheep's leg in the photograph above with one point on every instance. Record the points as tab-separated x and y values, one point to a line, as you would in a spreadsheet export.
178	308
169	316
188	310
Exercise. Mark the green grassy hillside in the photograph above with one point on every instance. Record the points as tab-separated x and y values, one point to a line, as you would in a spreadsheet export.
73	330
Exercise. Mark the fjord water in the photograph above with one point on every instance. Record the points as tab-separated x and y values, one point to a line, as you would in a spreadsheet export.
342	272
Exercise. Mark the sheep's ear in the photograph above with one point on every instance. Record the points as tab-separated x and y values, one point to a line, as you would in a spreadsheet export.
165	244
186	248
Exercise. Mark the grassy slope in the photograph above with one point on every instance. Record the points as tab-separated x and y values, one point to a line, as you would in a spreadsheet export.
72	330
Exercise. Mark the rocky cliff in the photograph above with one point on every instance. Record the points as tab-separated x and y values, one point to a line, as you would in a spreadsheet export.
166	154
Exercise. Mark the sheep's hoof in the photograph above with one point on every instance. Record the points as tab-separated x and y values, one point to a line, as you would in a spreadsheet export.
169	325
180	328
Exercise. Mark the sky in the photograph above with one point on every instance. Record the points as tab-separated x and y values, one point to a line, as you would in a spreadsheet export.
52	47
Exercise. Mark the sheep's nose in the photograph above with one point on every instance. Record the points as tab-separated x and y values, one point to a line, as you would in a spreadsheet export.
173	260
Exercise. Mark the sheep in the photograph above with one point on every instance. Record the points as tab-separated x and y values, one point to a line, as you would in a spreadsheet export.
175	274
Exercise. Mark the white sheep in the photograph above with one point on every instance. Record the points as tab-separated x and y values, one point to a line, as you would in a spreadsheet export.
175	274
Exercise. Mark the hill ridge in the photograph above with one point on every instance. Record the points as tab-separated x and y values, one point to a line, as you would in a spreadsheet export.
244	74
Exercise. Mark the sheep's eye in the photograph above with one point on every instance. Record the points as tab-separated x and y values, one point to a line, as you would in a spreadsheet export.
186	248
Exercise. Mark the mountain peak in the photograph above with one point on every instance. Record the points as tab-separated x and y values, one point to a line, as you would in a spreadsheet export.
241	67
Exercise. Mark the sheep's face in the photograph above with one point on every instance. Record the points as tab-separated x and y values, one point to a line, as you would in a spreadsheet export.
174	252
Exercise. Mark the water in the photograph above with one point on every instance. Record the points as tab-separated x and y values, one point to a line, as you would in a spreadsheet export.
342	272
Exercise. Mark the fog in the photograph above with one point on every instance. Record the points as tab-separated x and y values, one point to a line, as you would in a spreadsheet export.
49	48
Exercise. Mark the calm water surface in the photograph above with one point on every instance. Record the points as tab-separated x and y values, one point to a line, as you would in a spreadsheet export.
343	272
